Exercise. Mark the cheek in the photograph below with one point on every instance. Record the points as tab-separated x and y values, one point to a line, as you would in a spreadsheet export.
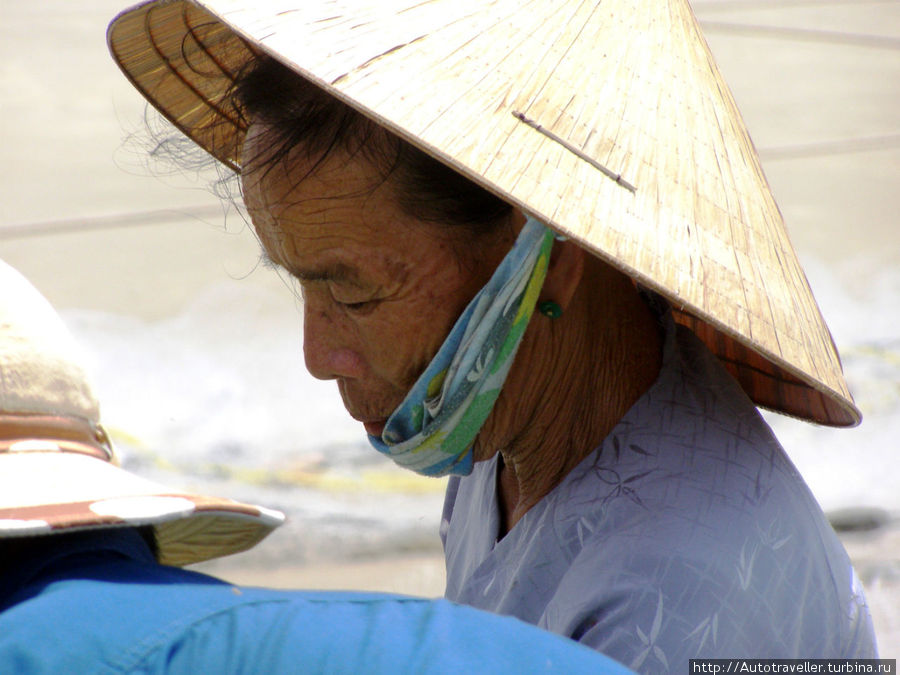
403	336
398	346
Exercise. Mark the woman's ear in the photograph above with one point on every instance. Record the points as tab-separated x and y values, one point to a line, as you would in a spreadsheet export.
564	273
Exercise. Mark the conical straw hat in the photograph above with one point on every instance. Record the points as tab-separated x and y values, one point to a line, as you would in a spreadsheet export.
57	467
607	120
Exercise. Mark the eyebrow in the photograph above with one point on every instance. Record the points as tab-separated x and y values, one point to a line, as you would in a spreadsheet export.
338	272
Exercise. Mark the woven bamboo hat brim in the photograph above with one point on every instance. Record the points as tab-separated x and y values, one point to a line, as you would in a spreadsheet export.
607	120
57	466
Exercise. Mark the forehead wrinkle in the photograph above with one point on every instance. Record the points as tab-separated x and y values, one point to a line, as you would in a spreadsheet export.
334	272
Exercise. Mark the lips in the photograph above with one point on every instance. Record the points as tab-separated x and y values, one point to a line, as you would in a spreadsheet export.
371	408
375	428
374	425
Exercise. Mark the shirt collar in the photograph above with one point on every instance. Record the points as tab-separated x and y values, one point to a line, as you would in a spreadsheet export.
50	551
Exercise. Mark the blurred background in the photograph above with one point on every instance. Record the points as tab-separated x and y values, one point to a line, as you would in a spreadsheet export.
196	348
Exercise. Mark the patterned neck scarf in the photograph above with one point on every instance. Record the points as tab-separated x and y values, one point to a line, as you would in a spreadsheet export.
432	430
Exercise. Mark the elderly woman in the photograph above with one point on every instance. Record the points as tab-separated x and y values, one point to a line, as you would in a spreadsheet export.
553	272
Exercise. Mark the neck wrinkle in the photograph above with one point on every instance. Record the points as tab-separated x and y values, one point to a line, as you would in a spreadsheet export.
583	377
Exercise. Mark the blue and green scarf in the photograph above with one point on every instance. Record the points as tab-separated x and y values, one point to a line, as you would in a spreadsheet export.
433	429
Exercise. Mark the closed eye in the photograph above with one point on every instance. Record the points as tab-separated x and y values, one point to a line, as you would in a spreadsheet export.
359	308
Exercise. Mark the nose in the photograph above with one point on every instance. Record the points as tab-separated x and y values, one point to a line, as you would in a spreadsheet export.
326	350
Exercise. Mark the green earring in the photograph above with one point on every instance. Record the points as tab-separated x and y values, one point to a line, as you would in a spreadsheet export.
550	309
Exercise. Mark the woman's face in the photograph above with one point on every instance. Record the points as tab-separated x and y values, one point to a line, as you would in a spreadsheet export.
380	289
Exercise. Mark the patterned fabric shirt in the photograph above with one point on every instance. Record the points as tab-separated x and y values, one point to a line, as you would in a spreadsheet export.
687	533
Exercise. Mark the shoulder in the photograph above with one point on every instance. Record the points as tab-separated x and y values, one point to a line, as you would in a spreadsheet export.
696	564
662	602
196	625
690	526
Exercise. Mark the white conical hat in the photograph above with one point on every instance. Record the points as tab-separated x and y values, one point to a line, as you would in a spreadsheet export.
608	120
57	466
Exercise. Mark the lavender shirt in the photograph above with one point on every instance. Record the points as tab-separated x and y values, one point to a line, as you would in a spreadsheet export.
687	533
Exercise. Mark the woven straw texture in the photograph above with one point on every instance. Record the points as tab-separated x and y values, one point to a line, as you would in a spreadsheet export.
46	492
608	120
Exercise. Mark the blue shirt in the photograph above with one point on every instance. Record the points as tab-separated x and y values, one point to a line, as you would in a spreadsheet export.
688	533
99	603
